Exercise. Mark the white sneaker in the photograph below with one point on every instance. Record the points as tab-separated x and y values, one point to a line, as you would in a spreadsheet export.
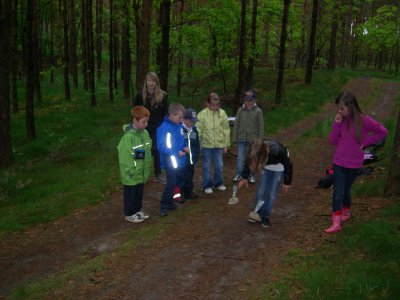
222	188
143	215
134	218
208	191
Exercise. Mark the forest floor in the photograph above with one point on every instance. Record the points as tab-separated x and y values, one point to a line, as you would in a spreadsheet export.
204	250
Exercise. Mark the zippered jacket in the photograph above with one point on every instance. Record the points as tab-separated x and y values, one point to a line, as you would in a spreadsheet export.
249	124
169	142
192	141
213	128
349	151
134	166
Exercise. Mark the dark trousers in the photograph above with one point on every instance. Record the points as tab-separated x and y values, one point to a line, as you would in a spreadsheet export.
343	179
186	183
173	179
133	198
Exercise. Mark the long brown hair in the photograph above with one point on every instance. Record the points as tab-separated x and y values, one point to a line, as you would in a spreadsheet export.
257	155
355	113
158	95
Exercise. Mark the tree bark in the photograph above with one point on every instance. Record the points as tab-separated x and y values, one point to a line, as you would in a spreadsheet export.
126	64
165	11
73	38
392	188
52	60
332	47
14	58
31	44
6	23
90	51
111	53
67	91
179	72
282	51
240	89
143	30
250	68
311	48
84	47
99	32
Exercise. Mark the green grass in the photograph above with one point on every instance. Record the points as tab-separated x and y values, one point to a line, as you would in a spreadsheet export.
361	263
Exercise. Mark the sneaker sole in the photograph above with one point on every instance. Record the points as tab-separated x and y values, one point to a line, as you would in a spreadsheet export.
266	226
251	221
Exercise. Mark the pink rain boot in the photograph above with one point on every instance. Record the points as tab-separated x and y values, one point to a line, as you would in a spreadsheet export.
346	215
335	227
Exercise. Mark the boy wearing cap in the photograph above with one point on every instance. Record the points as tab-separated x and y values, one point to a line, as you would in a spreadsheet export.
248	127
192	143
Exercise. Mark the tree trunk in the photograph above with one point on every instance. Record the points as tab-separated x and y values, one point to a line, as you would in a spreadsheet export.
282	51
179	72
116	51
73	38
84	47
332	47
111	53
143	30
90	51
31	44
165	9
99	32
265	55
126	64
392	188
6	23
37	63
311	48
67	91
52	60
250	68
14	58
240	89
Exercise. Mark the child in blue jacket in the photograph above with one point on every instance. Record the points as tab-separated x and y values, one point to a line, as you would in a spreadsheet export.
192	143
171	145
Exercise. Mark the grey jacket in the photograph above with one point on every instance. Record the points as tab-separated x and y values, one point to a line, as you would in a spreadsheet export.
249	124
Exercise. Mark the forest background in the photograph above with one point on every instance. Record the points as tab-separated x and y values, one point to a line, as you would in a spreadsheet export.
69	70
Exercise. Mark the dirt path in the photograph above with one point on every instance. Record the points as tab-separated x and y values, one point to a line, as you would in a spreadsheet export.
212	253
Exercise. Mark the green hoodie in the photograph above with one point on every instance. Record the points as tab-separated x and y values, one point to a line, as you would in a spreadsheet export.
133	170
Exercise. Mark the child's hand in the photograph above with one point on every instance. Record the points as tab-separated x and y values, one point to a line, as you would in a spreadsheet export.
242	182
181	153
225	149
187	150
338	117
285	188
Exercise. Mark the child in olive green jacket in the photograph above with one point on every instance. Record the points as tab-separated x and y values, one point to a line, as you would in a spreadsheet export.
134	155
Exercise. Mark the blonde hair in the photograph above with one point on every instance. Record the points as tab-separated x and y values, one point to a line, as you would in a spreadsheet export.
158	95
213	98
176	108
257	155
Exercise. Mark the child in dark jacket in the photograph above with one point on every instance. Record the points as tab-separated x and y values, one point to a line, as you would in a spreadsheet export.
171	145
272	160
192	143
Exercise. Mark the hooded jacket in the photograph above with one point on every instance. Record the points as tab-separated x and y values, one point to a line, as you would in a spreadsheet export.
192	141
213	128
169	142
249	124
134	156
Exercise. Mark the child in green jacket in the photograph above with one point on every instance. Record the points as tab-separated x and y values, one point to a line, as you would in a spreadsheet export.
134	155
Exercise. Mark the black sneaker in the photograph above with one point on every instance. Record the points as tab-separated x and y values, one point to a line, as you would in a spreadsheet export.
191	196
172	206
265	223
164	213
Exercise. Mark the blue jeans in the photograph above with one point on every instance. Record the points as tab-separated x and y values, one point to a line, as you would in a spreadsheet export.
215	155
267	191
343	179
241	157
133	198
